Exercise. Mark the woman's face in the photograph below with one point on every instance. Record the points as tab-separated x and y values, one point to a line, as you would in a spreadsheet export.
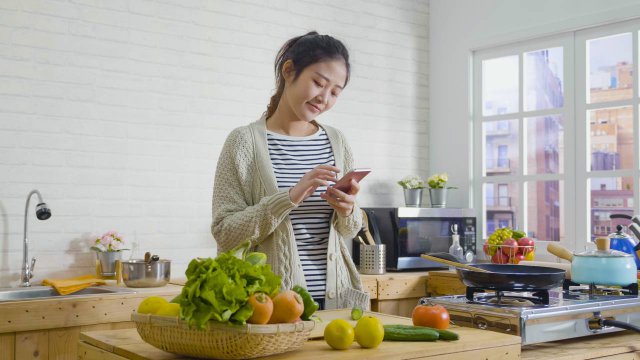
316	89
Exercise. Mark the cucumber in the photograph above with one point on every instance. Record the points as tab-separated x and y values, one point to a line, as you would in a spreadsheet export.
447	335
409	333
396	332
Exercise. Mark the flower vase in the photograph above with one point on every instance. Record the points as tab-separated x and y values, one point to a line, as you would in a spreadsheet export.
107	260
438	197
413	197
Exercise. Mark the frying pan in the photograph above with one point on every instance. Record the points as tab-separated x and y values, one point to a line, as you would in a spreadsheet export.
510	277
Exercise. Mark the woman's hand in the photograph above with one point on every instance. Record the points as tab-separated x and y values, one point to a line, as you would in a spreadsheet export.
318	176
340	201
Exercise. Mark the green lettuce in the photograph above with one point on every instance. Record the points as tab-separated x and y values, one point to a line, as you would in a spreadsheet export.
218	289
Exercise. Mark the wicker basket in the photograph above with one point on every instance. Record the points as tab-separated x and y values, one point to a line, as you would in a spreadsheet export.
221	341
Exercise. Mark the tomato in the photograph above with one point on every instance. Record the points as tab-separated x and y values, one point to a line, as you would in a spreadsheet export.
287	307
434	316
262	308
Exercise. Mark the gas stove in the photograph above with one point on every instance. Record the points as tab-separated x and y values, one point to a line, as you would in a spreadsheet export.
547	315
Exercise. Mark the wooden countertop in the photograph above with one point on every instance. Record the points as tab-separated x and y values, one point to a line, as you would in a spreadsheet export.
619	345
473	344
126	344
61	312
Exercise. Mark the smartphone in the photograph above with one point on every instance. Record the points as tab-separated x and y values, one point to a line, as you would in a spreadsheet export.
344	184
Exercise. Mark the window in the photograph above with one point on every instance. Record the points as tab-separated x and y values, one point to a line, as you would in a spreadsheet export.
555	124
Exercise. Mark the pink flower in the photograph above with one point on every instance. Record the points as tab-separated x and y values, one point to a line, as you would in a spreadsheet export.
109	241
105	240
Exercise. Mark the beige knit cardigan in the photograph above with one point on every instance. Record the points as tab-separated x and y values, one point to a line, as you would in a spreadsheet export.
247	205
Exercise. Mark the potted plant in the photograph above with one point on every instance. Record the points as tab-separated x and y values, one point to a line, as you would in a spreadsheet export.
108	248
438	189
412	185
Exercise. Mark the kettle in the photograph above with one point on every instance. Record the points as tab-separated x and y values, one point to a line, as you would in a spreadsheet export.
622	242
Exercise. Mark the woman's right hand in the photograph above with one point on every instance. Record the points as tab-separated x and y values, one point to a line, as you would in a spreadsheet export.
318	176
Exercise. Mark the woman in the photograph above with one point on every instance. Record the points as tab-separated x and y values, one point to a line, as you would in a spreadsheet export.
272	183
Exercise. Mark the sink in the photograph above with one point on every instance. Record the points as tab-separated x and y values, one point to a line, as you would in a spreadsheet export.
46	292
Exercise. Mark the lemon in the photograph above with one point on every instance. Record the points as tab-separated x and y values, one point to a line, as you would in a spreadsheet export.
369	332
339	334
169	309
151	305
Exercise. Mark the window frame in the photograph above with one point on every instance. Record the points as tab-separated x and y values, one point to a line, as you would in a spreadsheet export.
576	174
522	178
583	172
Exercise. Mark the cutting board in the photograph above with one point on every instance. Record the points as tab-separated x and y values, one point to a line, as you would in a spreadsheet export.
328	315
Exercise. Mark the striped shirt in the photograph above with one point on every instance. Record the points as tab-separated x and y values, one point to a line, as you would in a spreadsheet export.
292	157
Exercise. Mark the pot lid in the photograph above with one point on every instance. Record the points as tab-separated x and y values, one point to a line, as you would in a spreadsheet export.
603	250
619	234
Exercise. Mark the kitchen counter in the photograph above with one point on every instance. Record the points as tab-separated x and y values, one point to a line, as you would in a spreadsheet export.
126	344
619	346
473	344
49	328
39	314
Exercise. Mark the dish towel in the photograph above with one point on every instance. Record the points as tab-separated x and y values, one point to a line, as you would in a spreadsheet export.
69	286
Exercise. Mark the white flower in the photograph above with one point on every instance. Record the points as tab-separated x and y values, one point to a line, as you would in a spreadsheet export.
411	182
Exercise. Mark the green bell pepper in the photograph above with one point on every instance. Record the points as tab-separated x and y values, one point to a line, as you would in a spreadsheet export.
310	305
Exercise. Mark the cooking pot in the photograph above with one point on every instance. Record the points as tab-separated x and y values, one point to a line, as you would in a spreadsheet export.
140	273
601	267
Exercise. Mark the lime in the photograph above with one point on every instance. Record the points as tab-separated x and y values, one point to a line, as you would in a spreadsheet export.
151	305
356	313
339	334
369	332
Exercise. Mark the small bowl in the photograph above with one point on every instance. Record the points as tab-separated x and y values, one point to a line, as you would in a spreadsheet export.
137	273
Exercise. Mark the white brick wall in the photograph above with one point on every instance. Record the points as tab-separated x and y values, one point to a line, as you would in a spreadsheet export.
116	111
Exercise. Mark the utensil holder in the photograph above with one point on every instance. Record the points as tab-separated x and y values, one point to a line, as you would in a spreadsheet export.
373	259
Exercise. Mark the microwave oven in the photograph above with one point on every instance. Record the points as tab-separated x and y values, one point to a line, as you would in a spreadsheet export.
409	232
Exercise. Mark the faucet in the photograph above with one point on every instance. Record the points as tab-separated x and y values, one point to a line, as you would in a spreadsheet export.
42	213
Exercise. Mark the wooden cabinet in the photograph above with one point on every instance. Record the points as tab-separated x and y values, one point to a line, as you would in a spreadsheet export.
396	293
50	328
444	282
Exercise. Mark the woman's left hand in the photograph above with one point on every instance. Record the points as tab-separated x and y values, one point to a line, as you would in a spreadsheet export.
340	201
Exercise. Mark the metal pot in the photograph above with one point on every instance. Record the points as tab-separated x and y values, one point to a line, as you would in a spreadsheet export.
139	273
601	267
